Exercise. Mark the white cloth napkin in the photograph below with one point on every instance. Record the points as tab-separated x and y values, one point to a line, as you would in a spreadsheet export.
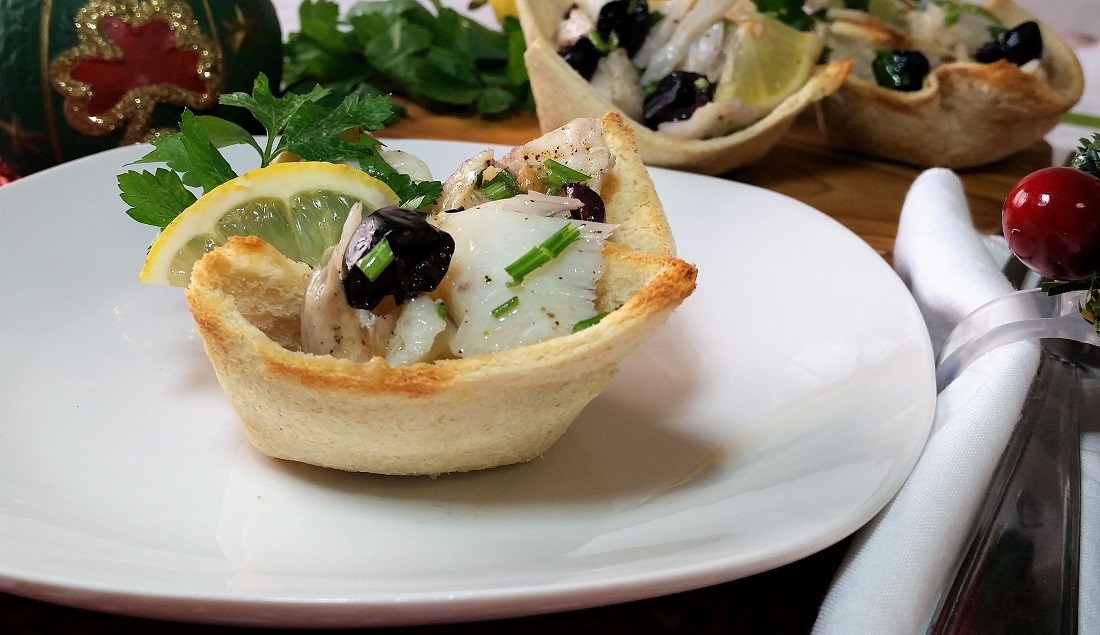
898	565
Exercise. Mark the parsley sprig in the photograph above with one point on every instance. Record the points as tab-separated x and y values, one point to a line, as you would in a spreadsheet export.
295	122
442	60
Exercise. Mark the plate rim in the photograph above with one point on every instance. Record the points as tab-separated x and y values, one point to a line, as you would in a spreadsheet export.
474	605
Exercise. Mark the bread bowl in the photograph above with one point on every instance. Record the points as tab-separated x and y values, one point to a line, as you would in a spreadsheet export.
966	114
561	94
450	415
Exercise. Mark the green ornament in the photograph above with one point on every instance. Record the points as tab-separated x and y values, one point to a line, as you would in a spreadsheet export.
83	76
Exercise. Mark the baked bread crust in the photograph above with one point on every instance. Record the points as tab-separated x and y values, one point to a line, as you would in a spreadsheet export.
430	418
562	95
966	115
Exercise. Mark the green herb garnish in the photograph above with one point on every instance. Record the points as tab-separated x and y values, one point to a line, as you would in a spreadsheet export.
441	308
296	123
602	45
538	256
501	186
790	12
506	308
375	261
592	321
155	198
952	11
1087	156
555	175
442	60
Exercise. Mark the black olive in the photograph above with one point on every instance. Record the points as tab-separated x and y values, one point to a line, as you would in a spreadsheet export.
1022	43
903	70
591	208
676	97
421	256
629	20
583	56
989	52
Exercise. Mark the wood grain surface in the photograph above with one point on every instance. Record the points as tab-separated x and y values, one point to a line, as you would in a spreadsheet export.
863	194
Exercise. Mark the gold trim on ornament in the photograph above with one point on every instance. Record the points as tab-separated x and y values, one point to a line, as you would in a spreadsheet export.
44	79
135	108
219	54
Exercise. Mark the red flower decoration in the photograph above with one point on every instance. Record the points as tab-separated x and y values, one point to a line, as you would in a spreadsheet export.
7	175
133	56
149	56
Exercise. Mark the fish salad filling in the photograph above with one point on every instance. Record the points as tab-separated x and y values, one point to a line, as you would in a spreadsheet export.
681	66
900	42
509	256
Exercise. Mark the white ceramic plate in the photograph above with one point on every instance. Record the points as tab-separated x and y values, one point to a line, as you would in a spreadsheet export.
776	412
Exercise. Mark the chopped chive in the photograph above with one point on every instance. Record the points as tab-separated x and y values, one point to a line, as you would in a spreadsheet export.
559	240
555	175
602	45
525	264
538	256
441	308
501	186
506	308
592	321
375	261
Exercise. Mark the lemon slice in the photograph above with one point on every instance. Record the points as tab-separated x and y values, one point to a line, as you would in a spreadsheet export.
889	11
299	208
503	9
766	62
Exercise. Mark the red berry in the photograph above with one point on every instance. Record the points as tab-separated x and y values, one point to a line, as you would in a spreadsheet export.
1051	220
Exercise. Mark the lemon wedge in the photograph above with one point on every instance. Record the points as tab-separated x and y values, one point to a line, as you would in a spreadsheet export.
501	8
889	11
766	62
298	208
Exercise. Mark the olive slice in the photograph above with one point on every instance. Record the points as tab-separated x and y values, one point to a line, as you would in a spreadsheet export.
582	56
421	256
629	20
676	97
1019	45
902	70
592	207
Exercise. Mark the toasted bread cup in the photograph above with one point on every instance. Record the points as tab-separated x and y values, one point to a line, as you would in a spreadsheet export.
562	95
966	114
430	418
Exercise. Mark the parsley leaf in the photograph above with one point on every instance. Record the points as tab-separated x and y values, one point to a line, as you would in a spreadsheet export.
312	131
295	122
155	198
208	166
273	113
193	154
413	196
442	60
